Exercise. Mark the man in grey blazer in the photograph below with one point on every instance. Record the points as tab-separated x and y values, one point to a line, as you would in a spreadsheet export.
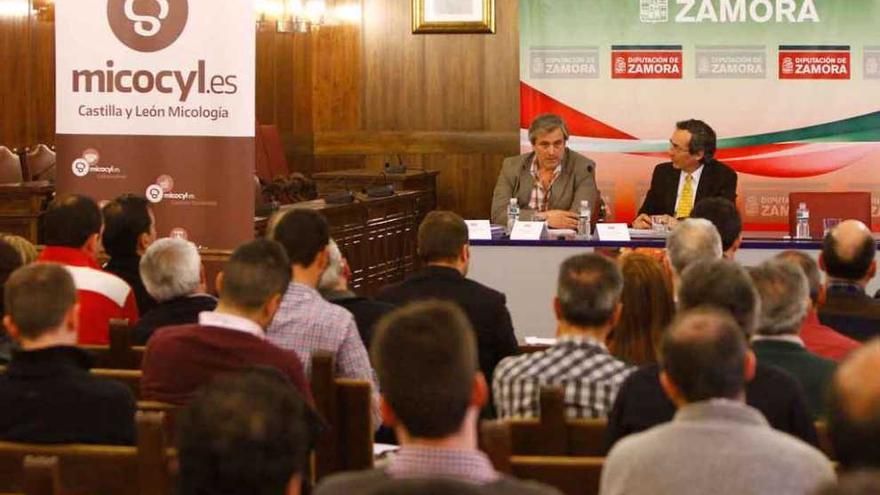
715	443
549	182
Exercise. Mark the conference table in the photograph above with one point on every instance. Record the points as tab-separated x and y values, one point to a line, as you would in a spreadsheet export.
526	271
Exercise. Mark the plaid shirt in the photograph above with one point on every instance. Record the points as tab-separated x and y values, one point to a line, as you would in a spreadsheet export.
306	323
540	198
589	375
413	461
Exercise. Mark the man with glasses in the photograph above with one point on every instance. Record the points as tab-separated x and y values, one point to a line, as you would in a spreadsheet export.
548	183
692	174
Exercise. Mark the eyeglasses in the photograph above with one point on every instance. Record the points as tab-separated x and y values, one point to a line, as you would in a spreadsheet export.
678	148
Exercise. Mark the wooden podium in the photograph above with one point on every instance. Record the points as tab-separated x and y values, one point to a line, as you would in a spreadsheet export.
423	181
21	205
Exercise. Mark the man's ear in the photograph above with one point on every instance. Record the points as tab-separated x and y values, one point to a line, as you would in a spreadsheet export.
751	362
823	295
271	307
203	279
218	282
143	241
872	270
71	318
671	389
389	418
11	328
92	245
465	254
322	259
557	308
480	391
822	263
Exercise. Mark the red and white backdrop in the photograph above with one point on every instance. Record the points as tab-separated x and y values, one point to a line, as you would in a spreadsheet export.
792	88
156	97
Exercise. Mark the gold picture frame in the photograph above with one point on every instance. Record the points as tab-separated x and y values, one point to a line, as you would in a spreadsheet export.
440	16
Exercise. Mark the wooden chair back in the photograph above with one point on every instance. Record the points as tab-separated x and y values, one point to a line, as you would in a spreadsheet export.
10	166
120	354
346	407
129	378
169	412
41	475
570	474
553	434
40	163
94	469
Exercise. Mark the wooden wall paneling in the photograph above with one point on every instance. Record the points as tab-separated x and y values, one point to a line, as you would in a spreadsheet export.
337	76
299	142
41	101
500	76
15	34
453	82
266	63
394	78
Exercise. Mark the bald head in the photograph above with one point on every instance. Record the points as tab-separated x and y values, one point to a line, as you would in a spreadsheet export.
848	252
854	418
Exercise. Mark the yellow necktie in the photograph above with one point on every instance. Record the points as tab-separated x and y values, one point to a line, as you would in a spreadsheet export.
686	201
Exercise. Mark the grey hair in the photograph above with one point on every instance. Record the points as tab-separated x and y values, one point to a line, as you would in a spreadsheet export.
692	240
547	122
784	290
171	268
333	272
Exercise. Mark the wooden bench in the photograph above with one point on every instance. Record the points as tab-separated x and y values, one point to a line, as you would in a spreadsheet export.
346	406
553	433
120	354
95	469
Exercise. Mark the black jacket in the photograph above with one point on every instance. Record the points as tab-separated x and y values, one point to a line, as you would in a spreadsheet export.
851	312
49	396
367	312
127	268
178	311
485	308
641	404
716	180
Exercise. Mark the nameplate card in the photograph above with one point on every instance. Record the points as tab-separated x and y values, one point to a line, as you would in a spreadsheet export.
612	231
528	231
479	230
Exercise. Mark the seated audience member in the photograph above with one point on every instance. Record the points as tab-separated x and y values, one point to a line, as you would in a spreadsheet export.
692	175
548	182
71	229
334	288
129	229
445	254
691	241
715	443
433	486
305	322
854	409
725	217
848	260
248	434
641	402
818	338
23	247
172	273
47	392
784	301
432	392
180	359
647	309
587	306
10	260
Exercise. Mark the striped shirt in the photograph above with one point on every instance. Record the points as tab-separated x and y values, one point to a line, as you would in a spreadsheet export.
540	198
306	323
588	373
413	461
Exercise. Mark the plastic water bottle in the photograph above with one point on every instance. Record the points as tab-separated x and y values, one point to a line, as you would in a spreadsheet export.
512	214
802	227
584	219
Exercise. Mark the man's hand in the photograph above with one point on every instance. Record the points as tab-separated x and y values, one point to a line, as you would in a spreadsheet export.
561	219
642	221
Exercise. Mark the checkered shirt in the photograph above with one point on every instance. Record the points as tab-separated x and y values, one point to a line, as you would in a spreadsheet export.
306	323
589	375
540	198
413	461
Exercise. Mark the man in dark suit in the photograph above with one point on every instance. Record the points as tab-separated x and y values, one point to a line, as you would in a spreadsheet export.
443	248
848	259
673	194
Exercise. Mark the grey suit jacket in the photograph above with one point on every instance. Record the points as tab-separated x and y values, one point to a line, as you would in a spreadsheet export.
576	182
718	447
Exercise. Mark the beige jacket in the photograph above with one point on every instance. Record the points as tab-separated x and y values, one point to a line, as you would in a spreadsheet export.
576	182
